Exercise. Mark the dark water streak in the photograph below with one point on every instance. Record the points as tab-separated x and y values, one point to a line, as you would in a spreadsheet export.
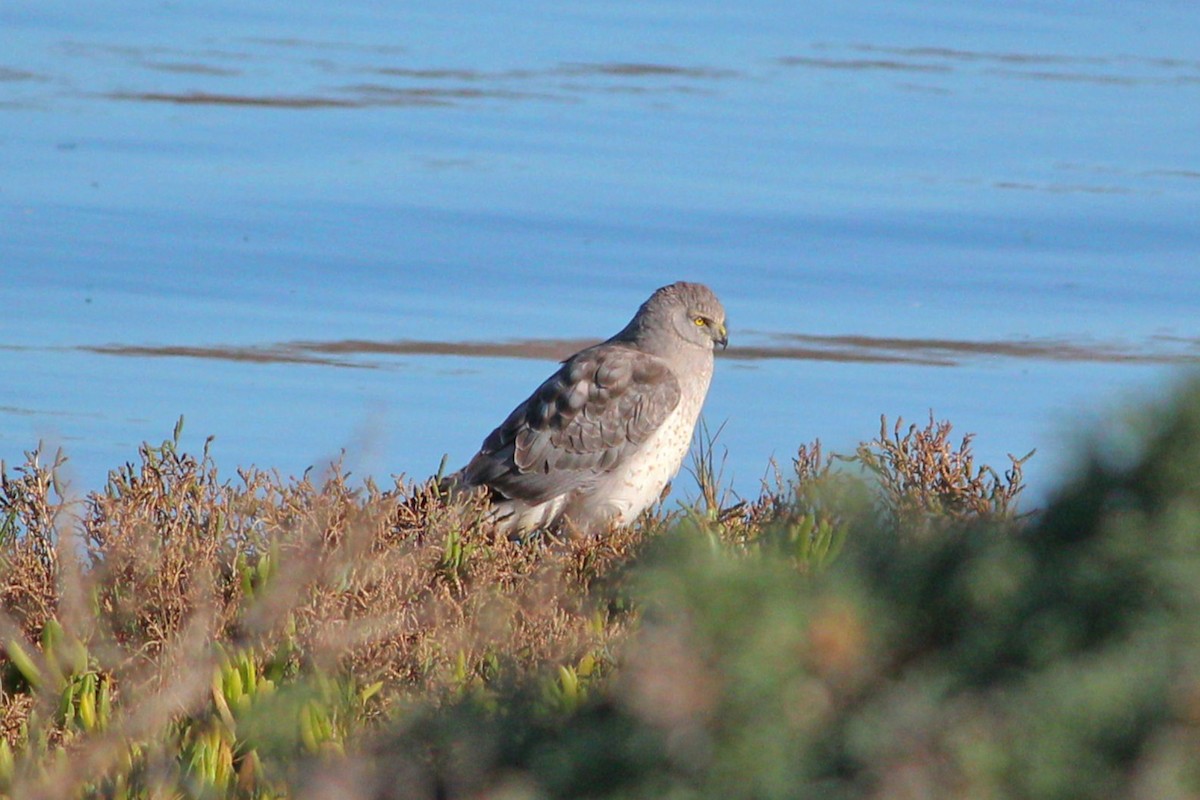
451	84
795	347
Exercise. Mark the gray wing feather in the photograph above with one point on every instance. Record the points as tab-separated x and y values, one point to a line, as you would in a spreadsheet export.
582	422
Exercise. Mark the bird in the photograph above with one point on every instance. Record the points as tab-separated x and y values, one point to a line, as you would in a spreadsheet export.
598	441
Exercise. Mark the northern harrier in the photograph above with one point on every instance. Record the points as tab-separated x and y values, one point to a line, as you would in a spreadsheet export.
599	440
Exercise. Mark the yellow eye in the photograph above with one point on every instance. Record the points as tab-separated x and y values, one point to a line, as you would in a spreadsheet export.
700	321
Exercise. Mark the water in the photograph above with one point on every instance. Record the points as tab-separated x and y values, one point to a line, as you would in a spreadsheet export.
303	227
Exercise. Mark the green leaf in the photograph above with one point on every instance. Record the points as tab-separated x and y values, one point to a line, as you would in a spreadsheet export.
24	664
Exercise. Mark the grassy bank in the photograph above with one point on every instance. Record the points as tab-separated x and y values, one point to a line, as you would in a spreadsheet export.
883	623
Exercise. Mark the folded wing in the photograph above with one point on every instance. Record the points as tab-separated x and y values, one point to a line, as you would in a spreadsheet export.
584	421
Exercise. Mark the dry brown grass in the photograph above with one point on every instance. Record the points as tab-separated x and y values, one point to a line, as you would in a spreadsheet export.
925	479
364	575
389	585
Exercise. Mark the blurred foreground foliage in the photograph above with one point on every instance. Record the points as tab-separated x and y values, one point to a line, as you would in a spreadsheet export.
882	624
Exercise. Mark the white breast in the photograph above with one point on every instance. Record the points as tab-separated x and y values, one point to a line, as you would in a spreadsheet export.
638	482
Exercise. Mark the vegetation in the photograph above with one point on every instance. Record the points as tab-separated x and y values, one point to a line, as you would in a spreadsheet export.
885	623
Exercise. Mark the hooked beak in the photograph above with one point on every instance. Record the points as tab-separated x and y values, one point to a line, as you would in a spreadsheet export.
722	337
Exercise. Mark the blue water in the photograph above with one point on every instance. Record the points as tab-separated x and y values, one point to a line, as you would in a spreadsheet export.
238	176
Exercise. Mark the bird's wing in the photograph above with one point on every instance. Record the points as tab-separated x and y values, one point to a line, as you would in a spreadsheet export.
582	422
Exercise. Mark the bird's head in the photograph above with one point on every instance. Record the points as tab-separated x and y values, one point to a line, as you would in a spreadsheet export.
689	310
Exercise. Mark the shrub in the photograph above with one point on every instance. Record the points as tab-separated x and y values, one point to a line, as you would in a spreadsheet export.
893	626
994	657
